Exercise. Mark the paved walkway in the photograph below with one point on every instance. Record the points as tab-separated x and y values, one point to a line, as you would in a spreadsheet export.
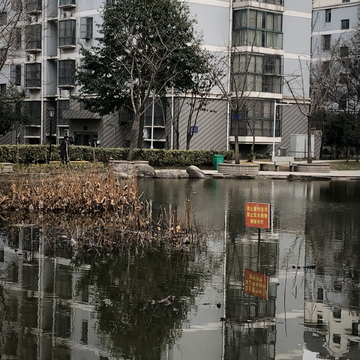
332	175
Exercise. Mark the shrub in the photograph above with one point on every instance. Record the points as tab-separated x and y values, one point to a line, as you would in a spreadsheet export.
39	154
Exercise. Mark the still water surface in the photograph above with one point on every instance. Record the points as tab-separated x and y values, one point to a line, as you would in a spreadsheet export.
72	307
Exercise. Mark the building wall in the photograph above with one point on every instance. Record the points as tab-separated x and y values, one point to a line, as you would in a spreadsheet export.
214	23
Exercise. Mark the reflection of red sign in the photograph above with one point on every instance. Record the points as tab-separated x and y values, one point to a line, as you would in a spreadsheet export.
257	215
256	284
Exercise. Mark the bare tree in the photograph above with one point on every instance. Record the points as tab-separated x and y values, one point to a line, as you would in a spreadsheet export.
12	19
235	67
322	78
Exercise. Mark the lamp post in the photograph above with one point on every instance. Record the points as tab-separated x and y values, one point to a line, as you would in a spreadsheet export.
51	115
275	105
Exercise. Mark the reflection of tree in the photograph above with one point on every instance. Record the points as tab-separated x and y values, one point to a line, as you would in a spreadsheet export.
132	322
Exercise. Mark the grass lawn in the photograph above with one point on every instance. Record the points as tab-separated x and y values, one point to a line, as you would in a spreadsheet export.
343	165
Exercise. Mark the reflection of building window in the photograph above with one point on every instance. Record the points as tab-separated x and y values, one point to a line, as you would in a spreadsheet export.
355	329
67	72
337	313
257	28
337	339
67	32
320	294
33	75
84	332
2	88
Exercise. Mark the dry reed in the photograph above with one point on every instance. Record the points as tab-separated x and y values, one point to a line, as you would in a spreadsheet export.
91	211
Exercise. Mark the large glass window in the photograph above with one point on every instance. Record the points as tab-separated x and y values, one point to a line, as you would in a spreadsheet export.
66	72
67	32
257	73
34	111
15	74
86	28
259	113
33	37
33	75
257	28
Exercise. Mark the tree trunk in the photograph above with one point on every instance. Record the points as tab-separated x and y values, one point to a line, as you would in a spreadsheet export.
141	131
309	157
237	154
252	154
133	131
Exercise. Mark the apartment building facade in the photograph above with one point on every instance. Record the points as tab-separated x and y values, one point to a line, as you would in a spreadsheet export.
273	35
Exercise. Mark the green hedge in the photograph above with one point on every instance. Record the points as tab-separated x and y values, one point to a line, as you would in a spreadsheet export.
37	154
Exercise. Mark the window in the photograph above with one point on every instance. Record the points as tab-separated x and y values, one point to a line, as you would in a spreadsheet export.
33	37
345	1
67	33
15	74
259	72
3	18
326	42
3	53
328	15
33	75
345	24
17	40
66	72
67	2
258	28
260	114
33	6
158	115
344	51
16	5
34	111
2	88
86	28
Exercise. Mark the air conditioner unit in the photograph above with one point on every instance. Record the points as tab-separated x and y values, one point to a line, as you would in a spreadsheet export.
67	14
64	93
30	57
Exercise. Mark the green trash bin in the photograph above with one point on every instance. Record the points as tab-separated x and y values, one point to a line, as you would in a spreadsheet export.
217	159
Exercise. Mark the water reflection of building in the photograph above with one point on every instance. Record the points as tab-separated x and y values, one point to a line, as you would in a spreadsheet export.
42	314
332	293
250	330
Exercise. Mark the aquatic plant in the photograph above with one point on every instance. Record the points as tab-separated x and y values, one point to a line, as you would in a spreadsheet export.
95	212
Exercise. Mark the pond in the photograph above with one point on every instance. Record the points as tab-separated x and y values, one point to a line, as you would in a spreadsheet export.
193	304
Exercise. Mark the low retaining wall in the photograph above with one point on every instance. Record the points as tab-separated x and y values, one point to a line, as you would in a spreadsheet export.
239	169
314	168
6	168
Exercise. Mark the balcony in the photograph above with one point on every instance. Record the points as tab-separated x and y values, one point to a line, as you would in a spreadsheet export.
33	46
64	4
34	7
